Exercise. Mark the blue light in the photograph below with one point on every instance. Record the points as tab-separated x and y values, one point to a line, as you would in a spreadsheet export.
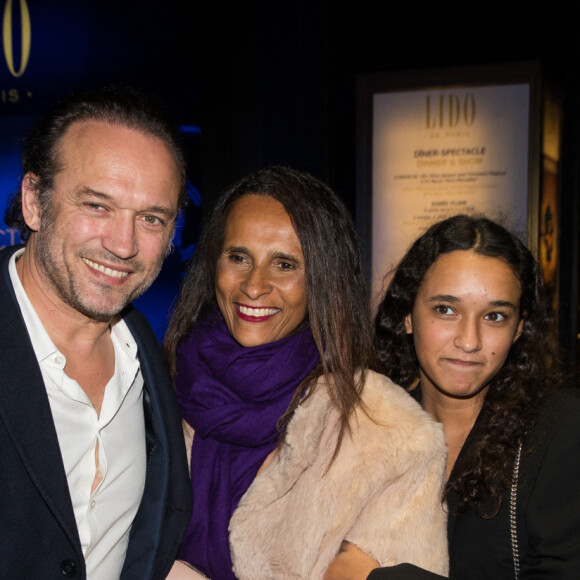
189	129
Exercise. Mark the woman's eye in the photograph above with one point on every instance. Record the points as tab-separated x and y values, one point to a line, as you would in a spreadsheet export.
442	309
236	258
286	266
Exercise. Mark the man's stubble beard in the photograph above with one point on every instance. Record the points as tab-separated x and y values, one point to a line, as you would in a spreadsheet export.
65	286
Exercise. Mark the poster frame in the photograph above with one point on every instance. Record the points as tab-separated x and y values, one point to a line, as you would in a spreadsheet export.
370	84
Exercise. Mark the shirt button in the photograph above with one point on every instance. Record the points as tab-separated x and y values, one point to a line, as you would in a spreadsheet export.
59	360
93	504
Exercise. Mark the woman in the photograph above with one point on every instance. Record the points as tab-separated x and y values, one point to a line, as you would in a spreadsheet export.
297	445
466	326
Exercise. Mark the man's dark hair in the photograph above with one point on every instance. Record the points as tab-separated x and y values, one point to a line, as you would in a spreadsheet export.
122	106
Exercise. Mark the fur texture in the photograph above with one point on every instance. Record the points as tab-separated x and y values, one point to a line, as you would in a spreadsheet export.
383	491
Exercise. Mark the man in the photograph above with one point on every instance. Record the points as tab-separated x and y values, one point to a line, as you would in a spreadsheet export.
93	472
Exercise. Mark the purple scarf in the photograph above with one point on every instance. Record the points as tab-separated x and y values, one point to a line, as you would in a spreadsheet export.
233	397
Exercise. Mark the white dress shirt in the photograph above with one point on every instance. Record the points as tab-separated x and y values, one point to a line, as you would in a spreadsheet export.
103	517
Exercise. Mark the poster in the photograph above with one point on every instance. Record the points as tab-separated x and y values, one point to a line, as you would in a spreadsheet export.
440	152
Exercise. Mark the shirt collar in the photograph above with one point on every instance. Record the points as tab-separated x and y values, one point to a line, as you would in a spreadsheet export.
41	342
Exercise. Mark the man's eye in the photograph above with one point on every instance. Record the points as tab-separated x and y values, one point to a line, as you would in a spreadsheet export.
94	206
153	219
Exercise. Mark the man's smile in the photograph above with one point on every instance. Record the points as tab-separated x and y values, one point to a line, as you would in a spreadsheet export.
104	269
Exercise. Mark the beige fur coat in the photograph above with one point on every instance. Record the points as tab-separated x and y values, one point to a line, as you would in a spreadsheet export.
383	491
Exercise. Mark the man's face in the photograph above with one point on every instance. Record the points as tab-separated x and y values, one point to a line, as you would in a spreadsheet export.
111	216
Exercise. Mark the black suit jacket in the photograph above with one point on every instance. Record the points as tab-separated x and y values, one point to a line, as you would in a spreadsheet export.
38	533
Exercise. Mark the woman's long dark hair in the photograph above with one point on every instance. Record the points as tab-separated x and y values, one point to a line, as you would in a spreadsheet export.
511	404
337	295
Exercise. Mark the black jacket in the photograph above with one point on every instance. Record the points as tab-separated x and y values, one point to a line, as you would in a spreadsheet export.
38	533
548	510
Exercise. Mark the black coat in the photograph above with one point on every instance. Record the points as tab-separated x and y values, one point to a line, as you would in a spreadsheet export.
548	510
38	533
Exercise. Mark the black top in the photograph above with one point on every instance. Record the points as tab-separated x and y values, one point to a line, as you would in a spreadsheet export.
548	510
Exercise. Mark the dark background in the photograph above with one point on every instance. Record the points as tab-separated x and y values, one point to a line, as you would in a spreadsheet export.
275	82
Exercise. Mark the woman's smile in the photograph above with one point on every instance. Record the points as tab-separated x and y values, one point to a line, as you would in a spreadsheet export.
255	313
260	275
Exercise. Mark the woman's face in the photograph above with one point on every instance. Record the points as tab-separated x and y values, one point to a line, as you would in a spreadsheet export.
260	276
464	322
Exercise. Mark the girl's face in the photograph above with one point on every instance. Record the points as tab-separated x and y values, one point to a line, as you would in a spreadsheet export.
464	322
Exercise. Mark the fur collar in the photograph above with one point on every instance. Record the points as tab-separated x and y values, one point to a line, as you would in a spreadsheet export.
383	491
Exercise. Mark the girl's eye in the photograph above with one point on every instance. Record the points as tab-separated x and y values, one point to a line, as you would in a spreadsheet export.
443	309
496	316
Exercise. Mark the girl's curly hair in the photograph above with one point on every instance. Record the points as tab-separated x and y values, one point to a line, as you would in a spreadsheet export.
530	372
